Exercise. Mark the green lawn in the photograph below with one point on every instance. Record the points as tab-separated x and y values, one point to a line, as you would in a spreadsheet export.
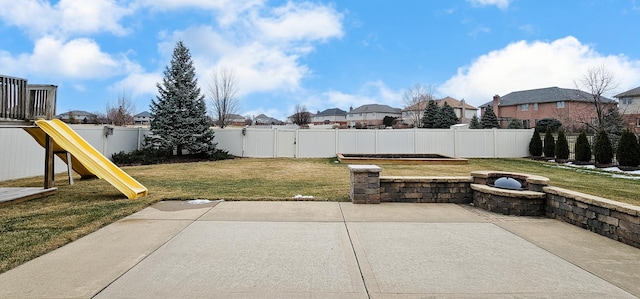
33	228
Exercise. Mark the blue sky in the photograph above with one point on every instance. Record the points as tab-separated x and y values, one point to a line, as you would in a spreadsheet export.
321	54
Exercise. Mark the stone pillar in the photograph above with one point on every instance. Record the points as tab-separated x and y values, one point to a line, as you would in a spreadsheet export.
365	184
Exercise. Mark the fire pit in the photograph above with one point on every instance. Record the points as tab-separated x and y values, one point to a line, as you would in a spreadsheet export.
509	193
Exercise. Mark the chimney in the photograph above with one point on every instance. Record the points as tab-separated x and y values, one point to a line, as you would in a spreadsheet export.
463	114
496	103
350	108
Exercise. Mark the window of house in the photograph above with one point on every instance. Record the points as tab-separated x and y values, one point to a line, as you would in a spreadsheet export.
524	107
638	122
560	104
535	107
526	124
627	101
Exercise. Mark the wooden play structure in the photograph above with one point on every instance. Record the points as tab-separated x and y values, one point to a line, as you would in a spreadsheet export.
32	107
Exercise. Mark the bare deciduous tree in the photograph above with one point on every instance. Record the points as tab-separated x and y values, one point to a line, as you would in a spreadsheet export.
412	97
598	81
120	114
222	91
301	116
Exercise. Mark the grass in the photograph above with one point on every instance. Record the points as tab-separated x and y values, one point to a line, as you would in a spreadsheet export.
33	228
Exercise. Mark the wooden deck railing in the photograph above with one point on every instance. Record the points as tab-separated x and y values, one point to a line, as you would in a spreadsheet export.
20	101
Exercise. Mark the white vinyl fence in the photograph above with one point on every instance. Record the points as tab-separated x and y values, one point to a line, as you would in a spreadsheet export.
21	156
288	143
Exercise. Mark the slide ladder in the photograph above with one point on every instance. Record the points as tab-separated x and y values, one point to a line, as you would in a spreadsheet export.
86	160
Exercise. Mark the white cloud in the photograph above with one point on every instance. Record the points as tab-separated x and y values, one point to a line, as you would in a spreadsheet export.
263	53
139	84
527	65
374	92
79	58
65	18
229	10
502	4
303	21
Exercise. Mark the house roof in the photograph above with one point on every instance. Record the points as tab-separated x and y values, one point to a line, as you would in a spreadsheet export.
143	114
332	112
266	119
629	93
235	117
546	95
449	100
76	113
377	108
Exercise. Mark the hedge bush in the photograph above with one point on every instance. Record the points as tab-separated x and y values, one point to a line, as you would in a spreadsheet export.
549	144
535	144
582	148
627	153
602	150
562	146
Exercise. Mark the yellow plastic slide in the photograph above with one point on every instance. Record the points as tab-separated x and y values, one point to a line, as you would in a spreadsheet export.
91	161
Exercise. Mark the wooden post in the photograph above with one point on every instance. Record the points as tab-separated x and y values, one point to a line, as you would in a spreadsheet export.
69	168
48	163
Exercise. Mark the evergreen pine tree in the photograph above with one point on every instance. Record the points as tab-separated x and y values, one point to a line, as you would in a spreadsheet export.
475	123
489	119
179	112
535	144
514	123
447	117
627	153
603	151
549	144
430	115
582	148
562	146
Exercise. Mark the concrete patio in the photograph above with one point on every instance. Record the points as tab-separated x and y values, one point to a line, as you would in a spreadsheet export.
328	249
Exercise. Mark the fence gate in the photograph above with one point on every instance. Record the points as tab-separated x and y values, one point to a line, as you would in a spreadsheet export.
286	144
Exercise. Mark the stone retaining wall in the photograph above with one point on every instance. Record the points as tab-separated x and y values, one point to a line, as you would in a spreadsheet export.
426	189
616	220
509	202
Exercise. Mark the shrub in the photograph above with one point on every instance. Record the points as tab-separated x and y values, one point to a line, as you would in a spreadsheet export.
475	123
549	144
514	124
603	151
548	123
489	119
562	146
142	156
627	153
582	148
535	144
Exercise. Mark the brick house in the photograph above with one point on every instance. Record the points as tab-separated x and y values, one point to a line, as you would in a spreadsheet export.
630	107
572	107
371	115
330	116
464	111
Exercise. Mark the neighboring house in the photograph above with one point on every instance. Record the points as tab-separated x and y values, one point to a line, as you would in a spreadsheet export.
572	107
291	119
464	111
330	116
236	120
629	107
142	118
371	115
266	120
77	117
